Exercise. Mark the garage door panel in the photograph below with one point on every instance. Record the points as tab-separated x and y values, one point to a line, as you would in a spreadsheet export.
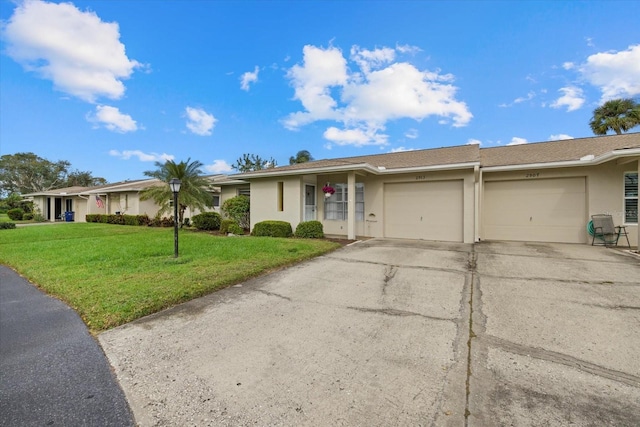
424	210
550	210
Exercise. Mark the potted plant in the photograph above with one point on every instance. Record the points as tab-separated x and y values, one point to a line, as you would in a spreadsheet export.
328	190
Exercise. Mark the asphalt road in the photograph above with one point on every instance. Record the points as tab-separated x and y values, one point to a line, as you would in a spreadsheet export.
52	371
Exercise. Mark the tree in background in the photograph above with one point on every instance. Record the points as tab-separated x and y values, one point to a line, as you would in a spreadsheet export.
618	115
78	178
252	162
25	173
302	156
195	189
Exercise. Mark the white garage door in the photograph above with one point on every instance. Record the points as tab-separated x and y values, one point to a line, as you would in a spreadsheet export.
544	210
424	210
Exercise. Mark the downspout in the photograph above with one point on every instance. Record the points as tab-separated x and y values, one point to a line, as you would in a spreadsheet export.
477	176
351	206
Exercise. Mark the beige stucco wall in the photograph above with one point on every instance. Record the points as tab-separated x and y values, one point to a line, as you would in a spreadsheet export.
604	189
264	200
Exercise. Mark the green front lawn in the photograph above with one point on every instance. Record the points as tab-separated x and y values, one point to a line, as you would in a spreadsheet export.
113	274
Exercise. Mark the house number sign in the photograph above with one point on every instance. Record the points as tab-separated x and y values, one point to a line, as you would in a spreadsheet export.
532	175
421	177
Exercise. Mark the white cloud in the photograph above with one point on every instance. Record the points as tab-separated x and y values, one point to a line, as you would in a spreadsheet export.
408	49
520	100
199	121
321	70
411	133
112	119
472	141
363	101
355	137
401	149
568	65
77	51
616	74
559	137
572	98
368	59
143	157
518	141
249	77
218	166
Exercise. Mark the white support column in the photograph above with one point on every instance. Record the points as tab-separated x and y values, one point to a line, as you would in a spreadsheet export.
351	206
639	207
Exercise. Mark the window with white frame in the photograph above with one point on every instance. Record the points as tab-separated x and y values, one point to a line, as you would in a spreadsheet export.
631	197
336	206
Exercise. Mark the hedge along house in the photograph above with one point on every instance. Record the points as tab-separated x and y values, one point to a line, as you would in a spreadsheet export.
538	192
117	198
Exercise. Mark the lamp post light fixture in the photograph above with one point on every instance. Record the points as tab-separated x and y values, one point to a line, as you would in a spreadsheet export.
175	188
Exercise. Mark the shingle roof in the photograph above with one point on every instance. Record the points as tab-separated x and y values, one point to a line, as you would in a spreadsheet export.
399	160
556	151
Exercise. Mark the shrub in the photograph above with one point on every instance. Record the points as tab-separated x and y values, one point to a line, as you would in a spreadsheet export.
15	214
119	219
226	224
309	230
236	229
28	216
272	229
7	225
207	221
237	208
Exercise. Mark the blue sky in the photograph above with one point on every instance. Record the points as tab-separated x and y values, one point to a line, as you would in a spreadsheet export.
113	86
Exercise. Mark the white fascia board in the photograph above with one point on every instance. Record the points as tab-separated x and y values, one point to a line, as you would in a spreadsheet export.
434	168
311	171
569	163
231	182
366	167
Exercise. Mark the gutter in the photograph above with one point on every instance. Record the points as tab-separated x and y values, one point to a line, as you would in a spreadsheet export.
588	161
381	170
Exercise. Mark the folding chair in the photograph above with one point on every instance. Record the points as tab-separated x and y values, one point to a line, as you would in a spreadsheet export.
604	230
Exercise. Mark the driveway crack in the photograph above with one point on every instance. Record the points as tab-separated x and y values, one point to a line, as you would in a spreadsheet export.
400	313
563	359
472	265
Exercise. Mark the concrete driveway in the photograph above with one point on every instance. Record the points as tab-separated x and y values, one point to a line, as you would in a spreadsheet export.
396	332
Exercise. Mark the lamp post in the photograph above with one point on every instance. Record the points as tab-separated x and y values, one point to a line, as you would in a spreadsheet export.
175	188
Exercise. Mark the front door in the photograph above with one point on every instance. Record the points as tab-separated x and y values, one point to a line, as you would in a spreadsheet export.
309	202
58	209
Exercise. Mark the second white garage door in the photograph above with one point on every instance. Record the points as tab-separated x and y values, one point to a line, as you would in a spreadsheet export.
544	210
424	210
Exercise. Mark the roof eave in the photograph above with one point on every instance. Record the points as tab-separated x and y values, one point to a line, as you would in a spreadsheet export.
366	167
611	155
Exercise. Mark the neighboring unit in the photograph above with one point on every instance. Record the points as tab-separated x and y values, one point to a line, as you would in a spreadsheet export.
74	203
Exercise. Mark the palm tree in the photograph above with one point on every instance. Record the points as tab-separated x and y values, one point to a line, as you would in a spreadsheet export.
194	188
302	156
618	115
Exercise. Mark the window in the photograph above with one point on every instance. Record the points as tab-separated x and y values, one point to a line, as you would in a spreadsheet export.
216	201
244	191
280	196
68	203
336	206
631	197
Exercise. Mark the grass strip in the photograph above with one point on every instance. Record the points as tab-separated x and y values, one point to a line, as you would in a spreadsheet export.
114	274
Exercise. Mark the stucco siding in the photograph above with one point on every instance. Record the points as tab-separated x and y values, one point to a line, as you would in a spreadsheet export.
265	200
